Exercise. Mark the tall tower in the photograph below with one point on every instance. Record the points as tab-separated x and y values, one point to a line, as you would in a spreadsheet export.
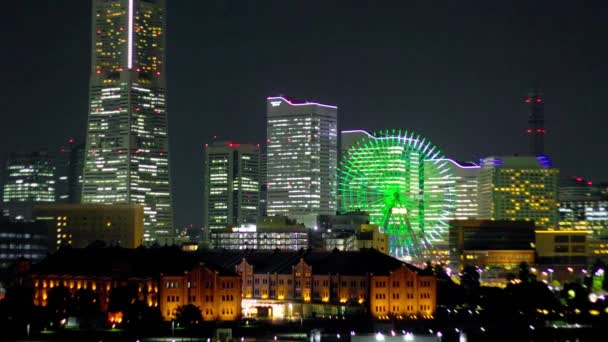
302	159
232	187
127	146
536	122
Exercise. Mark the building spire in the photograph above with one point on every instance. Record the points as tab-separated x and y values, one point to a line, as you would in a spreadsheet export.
536	121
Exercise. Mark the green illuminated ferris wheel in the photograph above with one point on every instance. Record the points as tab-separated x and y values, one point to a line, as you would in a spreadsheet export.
406	186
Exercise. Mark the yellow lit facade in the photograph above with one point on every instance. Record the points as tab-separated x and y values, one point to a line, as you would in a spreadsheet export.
307	285
563	246
78	225
370	237
518	189
217	296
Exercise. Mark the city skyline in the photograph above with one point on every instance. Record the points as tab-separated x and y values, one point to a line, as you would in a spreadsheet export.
474	93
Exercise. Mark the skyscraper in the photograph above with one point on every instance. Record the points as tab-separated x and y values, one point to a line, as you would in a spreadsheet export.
29	180
302	159
232	187
263	208
462	180
70	164
127	146
536	123
519	188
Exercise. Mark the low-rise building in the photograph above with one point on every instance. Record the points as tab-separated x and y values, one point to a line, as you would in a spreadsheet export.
491	244
562	247
78	225
164	278
19	239
228	285
283	284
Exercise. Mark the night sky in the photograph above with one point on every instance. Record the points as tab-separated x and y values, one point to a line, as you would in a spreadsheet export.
454	71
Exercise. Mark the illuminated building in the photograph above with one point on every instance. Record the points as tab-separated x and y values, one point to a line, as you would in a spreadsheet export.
569	247
461	182
228	285
157	275
270	233
519	188
232	187
370	236
263	208
29	180
126	159
79	225
216	292
500	245
70	165
302	145
583	207
536	123
349	232
20	239
323	284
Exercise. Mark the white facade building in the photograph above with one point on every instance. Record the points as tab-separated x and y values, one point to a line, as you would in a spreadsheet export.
302	159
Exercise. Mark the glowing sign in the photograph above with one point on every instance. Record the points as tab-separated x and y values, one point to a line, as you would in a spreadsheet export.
399	211
275	103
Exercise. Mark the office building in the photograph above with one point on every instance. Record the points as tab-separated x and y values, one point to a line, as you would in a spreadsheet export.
29	179
251	237
519	189
126	159
583	207
269	233
70	165
302	152
232	186
562	247
79	225
263	203
19	239
500	245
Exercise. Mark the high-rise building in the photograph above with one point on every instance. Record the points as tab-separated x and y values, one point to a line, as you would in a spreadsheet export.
519	188
70	164
302	159
536	122
127	148
263	208
29	180
232	186
462	180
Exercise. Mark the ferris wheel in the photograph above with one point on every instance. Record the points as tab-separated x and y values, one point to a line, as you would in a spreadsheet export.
405	185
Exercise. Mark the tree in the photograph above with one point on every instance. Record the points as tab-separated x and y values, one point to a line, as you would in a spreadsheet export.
524	273
188	315
121	297
470	284
58	303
